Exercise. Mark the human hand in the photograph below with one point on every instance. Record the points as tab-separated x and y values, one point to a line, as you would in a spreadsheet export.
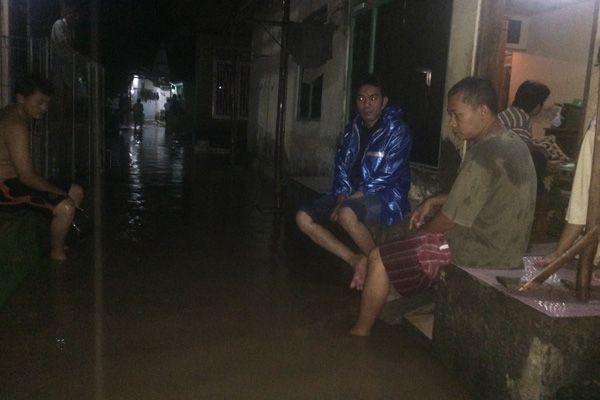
339	200
547	260
334	215
417	217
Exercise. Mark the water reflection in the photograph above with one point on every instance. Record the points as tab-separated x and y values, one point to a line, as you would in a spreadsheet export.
552	308
153	179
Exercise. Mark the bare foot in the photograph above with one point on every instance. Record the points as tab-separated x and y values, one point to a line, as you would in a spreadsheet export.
360	273
356	331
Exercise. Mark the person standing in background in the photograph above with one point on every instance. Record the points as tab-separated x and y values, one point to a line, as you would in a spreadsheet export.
63	30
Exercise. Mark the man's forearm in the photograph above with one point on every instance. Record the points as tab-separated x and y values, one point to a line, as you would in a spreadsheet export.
439	200
39	183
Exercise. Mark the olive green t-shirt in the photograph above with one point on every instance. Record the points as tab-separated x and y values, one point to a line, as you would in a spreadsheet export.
492	203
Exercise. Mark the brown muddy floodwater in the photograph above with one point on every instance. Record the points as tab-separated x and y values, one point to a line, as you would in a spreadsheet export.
204	297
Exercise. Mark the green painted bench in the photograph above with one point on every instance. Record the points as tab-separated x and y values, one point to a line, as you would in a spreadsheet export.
24	242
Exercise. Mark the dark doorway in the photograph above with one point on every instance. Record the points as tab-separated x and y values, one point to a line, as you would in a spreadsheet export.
410	51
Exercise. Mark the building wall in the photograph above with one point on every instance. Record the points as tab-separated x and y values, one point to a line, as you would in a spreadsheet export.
558	58
310	145
152	108
591	96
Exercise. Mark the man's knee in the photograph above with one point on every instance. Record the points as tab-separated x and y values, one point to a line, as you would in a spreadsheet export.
374	257
303	220
346	217
65	209
76	193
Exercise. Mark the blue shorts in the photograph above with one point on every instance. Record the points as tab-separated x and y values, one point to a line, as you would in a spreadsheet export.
366	208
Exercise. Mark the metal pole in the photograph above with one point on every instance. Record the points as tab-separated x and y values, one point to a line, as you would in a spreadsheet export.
4	56
72	108
95	53
46	145
282	93
97	134
28	5
233	92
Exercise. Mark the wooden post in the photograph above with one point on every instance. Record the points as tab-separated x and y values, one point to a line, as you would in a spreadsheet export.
584	270
489	42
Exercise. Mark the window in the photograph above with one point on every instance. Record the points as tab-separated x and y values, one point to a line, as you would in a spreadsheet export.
229	84
311	80
309	105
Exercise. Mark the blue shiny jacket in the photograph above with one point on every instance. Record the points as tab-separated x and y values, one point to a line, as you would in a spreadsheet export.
385	166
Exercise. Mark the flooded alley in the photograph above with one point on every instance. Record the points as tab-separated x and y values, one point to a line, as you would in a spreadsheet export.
203	297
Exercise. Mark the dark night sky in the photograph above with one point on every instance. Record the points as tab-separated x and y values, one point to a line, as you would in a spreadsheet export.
131	31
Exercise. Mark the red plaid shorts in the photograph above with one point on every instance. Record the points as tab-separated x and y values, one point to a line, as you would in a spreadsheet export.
413	262
14	193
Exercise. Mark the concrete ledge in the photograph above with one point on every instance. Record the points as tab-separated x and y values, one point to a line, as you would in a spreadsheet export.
506	344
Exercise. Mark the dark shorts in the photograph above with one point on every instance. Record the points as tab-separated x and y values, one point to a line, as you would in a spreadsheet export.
13	193
413	262
366	208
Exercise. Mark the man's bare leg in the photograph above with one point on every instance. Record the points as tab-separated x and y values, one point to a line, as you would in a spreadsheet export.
363	239
327	240
374	295
62	216
76	194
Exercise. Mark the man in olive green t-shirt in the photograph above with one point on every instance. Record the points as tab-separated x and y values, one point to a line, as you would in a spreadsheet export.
488	213
492	203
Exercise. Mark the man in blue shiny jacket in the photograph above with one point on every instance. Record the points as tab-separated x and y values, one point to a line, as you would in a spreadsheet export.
371	179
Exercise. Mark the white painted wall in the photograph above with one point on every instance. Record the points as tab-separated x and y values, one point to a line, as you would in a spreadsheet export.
309	145
557	55
461	54
152	108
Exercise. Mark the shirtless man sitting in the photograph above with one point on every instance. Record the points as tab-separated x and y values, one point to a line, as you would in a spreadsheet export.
19	182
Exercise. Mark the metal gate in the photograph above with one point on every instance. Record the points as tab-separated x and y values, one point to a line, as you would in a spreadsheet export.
68	142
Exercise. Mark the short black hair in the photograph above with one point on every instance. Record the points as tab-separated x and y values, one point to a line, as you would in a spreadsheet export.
34	82
371	80
530	94
476	91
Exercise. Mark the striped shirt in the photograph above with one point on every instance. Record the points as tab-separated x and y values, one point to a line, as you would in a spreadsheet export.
517	120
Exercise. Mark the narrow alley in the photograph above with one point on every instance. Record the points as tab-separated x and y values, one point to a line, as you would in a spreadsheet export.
201	300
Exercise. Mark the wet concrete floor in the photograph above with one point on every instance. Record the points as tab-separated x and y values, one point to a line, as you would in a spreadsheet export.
200	299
